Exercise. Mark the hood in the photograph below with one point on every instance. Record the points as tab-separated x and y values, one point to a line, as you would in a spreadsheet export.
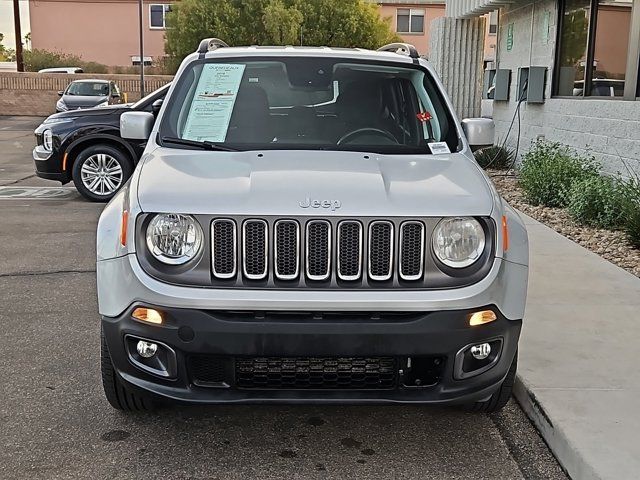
81	101
312	183
90	112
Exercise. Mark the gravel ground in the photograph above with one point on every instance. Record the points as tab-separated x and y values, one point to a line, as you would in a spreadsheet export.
611	245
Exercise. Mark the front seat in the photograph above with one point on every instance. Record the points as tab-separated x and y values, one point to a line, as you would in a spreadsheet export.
358	106
250	121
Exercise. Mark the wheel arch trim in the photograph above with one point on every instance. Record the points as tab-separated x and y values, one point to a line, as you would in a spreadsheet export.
72	151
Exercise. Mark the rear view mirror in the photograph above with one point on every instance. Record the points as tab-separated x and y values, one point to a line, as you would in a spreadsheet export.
155	106
136	125
480	132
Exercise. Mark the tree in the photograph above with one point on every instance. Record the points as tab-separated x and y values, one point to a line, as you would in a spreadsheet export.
334	23
6	54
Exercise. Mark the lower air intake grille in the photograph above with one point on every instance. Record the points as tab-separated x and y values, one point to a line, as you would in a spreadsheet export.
305	373
206	370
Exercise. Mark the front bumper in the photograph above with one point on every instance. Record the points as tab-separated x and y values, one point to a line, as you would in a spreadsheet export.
49	164
233	336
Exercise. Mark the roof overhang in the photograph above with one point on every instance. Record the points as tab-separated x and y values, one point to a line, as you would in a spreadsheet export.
475	8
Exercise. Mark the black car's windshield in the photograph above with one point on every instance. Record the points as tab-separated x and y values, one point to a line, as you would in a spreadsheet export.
309	103
153	96
88	89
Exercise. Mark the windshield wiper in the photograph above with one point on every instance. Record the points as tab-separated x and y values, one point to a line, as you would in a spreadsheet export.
206	145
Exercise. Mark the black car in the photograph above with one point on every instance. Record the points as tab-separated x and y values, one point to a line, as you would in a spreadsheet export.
85	146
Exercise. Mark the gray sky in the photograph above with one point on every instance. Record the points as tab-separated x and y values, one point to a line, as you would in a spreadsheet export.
6	21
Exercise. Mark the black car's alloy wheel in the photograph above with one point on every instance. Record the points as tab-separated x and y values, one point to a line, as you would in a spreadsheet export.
99	171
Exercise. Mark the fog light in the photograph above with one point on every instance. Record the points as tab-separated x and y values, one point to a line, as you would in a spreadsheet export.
146	349
479	352
480	318
148	315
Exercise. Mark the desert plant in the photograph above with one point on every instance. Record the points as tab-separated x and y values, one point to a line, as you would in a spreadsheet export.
632	211
549	170
37	59
496	157
599	201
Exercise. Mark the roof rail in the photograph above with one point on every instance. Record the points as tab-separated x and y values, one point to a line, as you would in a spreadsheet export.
209	44
401	48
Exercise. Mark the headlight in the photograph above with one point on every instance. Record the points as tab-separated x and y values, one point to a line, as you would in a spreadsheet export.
458	242
173	238
51	120
61	105
47	140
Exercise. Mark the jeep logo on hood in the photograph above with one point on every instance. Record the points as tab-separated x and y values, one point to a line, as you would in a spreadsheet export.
310	203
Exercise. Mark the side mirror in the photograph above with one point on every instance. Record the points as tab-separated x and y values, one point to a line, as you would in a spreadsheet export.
136	125
60	93
115	95
155	106
480	132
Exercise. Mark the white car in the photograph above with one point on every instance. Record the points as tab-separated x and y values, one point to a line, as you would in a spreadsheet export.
309	225
61	70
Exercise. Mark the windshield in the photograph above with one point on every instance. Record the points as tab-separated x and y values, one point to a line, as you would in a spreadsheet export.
88	89
153	96
308	103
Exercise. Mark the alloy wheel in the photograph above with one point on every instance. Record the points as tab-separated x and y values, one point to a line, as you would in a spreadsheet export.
101	174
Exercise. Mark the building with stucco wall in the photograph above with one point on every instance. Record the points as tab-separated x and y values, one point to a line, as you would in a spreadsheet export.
103	31
590	53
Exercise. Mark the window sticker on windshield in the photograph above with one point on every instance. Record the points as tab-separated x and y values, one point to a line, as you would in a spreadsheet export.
213	102
439	148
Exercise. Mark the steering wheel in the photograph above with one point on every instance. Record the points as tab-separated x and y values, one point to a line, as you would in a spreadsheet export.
362	131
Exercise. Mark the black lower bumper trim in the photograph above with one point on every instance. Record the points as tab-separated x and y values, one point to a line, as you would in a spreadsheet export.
299	361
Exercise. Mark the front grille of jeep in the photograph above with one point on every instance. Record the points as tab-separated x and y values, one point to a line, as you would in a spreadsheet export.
318	250
306	373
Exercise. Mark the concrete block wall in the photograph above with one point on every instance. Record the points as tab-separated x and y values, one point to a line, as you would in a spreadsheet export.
36	93
457	54
609	129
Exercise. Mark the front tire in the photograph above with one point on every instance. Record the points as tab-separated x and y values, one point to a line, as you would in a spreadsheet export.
100	171
117	395
500	397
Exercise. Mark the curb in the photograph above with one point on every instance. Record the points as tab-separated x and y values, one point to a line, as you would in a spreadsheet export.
571	460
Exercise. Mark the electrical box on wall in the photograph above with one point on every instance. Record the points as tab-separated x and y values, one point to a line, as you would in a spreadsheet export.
502	84
531	84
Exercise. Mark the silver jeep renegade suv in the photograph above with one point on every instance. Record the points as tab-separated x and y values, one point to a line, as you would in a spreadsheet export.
309	225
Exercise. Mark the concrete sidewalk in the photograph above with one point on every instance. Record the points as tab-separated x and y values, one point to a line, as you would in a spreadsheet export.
579	375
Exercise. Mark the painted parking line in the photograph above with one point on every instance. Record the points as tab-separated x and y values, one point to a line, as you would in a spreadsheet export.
38	193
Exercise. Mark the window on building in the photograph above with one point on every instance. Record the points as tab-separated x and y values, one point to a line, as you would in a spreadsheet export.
410	20
593	49
493	23
157	15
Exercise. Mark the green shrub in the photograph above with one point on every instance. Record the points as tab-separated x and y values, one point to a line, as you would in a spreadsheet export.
632	214
549	170
599	201
497	157
94	67
37	59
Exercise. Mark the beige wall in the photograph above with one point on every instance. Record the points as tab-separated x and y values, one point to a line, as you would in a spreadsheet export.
102	31
37	93
420	40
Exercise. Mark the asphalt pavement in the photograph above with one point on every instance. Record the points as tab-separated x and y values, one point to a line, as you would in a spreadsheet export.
55	422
